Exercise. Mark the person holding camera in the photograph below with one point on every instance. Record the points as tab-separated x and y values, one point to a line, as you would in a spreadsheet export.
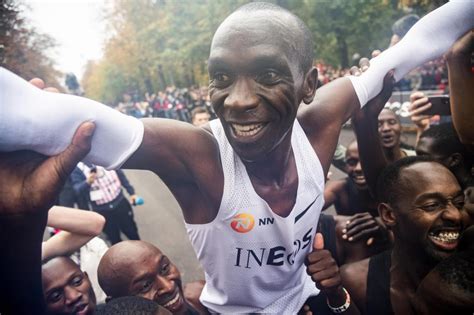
103	188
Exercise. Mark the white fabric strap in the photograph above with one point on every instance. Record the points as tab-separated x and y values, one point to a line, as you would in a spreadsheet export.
428	39
45	122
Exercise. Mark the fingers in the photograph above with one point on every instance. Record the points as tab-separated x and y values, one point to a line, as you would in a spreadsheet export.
78	149
360	226
306	310
51	89
375	53
318	243
358	219
364	64
362	233
355	71
418	109
56	169
37	82
416	95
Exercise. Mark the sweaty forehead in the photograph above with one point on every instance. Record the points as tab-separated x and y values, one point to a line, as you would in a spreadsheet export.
244	30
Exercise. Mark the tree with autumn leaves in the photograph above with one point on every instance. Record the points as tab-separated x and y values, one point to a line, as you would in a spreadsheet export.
159	43
23	50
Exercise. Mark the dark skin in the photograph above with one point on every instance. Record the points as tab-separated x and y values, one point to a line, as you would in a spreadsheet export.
67	290
461	80
254	79
30	183
267	86
137	268
324	271
422	210
438	296
359	237
389	131
337	192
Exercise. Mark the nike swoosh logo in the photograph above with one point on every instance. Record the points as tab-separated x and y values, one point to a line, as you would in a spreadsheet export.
299	216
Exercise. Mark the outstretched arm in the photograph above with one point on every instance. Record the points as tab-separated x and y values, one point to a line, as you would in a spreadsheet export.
30	184
174	150
461	81
337	101
77	228
365	122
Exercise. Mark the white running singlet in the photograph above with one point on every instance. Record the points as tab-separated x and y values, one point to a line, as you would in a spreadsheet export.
253	258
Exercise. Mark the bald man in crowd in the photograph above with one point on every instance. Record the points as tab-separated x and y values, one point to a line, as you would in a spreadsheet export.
138	268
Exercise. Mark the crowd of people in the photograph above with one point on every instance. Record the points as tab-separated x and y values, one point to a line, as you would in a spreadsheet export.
430	76
251	184
172	103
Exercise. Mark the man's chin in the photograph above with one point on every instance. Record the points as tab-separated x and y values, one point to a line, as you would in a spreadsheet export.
361	184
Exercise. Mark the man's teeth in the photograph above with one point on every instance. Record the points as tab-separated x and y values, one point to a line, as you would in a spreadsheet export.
446	237
174	300
247	130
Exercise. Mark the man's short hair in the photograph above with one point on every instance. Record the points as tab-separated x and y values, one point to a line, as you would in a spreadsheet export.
403	24
458	271
388	182
446	141
198	110
129	305
304	44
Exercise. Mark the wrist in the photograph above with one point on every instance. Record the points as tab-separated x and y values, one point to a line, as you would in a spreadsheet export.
340	301
336	296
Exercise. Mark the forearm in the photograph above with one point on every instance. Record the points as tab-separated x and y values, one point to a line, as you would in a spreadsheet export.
125	183
372	157
21	288
461	82
81	222
46	122
63	244
428	39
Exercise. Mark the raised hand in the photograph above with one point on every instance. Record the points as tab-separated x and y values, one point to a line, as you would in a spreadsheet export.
322	268
30	181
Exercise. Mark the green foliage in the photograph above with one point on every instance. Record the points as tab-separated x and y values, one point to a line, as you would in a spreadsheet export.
23	50
157	43
343	28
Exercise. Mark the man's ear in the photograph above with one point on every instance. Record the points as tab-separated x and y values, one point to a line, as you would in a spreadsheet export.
387	215
454	160
309	85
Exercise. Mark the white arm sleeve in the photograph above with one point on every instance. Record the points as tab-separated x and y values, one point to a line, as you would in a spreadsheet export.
428	39
45	122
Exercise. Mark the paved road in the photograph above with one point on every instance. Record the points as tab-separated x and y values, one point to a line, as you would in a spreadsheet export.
160	220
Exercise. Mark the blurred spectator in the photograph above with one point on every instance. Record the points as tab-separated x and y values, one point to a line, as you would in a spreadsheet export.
200	116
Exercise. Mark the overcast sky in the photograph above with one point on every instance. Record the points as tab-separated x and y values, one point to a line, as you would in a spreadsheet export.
76	25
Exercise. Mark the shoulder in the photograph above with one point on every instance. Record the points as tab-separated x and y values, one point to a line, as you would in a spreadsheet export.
336	186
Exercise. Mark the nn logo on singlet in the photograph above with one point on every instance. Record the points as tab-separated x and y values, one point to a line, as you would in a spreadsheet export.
242	222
